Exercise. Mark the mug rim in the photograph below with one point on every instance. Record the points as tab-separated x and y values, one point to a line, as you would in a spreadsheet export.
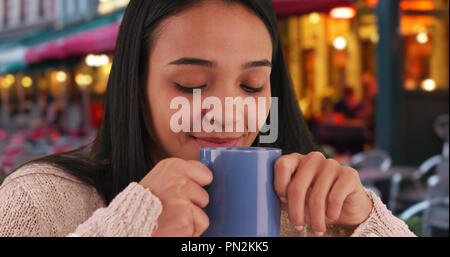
239	149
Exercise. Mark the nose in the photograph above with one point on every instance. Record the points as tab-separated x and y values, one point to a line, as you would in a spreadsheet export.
226	120
225	117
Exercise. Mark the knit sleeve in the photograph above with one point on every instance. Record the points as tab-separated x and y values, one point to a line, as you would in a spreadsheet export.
37	203
133	213
19	216
381	222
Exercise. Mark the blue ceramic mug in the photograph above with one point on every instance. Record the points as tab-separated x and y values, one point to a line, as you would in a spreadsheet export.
243	202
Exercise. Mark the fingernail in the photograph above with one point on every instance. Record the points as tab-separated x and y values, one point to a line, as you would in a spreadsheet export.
299	228
319	234
283	199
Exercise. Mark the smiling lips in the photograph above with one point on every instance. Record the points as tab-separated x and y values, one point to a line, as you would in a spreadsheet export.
216	142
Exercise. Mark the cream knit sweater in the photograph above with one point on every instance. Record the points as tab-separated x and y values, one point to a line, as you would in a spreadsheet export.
40	200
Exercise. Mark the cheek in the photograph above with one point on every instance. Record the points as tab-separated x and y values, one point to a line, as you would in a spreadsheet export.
259	117
160	98
157	113
263	103
170	143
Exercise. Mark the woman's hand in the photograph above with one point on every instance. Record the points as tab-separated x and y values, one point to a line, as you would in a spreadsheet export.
179	185
322	190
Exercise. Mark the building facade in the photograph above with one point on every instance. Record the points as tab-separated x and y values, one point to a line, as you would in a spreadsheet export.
18	17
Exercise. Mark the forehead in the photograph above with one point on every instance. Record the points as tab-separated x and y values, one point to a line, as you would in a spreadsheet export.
214	30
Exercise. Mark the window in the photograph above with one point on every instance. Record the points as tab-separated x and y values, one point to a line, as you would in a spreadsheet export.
13	13
2	14
41	8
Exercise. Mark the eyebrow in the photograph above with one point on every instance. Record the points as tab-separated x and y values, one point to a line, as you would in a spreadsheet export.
262	63
193	61
210	64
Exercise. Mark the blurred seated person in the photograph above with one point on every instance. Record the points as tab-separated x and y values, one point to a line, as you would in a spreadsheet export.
348	132
327	113
350	109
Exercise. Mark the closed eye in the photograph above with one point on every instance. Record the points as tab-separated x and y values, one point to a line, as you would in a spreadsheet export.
249	89
186	89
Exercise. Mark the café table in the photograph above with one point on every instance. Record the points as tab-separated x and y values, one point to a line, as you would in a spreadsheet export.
348	136
370	176
395	175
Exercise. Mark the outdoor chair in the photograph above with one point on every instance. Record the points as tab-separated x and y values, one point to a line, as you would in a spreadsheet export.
407	190
435	208
374	161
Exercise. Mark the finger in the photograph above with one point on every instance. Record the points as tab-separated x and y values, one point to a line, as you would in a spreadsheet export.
199	173
201	221
284	168
318	197
336	198
184	223
298	188
196	194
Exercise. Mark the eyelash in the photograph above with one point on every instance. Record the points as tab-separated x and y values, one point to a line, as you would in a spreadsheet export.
190	90
251	90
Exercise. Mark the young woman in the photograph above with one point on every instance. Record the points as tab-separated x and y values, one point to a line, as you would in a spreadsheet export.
139	178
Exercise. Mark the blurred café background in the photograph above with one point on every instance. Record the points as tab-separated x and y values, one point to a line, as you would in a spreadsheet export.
371	77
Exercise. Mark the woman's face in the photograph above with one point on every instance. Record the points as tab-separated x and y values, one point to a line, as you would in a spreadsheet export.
224	49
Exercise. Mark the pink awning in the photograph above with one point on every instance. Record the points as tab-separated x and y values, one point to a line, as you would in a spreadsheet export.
289	7
94	41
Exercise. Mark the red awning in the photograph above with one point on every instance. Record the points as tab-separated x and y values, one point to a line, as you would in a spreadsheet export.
93	41
289	7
